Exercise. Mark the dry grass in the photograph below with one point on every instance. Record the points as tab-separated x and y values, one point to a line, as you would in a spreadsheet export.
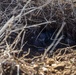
19	20
61	63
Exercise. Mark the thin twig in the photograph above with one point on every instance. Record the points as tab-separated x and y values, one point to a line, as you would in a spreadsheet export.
52	44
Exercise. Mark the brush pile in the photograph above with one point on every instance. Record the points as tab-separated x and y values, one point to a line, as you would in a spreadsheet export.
31	31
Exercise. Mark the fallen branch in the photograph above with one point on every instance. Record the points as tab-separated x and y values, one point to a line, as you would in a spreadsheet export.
8	24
